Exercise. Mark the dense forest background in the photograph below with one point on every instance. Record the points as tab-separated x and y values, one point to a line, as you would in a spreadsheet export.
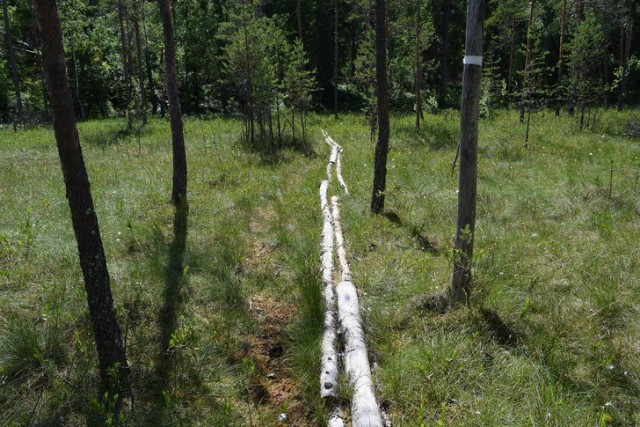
298	55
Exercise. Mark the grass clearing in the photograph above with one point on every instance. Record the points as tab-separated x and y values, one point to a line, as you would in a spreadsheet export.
232	338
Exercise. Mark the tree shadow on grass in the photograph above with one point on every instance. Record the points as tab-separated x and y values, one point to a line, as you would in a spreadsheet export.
416	233
274	152
178	366
436	134
112	134
168	317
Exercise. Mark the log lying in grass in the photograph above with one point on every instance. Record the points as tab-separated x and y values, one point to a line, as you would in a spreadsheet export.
340	249
336	419
333	158
339	173
329	358
364	408
338	160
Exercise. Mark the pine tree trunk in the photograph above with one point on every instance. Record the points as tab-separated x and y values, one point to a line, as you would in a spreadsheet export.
579	10
382	145
465	228
179	190
626	52
142	108
418	77
19	116
563	26
77	83
512	49
335	59
126	63
605	50
111	353
444	65
299	19
526	84
45	97
147	60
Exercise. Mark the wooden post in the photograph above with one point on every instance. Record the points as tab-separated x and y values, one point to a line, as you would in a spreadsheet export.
465	228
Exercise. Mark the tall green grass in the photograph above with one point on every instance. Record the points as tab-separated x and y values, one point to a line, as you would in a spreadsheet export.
550	336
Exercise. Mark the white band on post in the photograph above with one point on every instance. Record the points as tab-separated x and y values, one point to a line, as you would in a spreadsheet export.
472	60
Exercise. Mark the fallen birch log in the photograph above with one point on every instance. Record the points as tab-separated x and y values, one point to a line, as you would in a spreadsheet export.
339	173
364	408
340	249
333	158
338	160
329	358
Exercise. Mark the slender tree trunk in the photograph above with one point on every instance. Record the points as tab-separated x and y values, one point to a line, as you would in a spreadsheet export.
526	135
111	353
335	58
512	50
161	98
444	64
465	228
299	19
147	60
45	98
573	96
563	26
136	29
77	83
12	65
580	10
126	63
382	145
179	190
418	79
627	31
605	50
526	84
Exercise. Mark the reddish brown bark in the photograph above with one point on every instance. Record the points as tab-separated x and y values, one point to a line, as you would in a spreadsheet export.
382	145
179	190
114	370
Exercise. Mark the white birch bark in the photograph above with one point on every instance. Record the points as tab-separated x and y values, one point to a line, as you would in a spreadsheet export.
338	160
329	358
340	249
364	408
336	419
333	158
339	172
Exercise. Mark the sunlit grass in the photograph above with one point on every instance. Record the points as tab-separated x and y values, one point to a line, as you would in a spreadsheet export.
556	264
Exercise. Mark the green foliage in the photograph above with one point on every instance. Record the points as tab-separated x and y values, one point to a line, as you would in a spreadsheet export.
268	74
584	57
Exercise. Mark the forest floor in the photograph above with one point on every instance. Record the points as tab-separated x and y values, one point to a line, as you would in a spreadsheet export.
551	335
